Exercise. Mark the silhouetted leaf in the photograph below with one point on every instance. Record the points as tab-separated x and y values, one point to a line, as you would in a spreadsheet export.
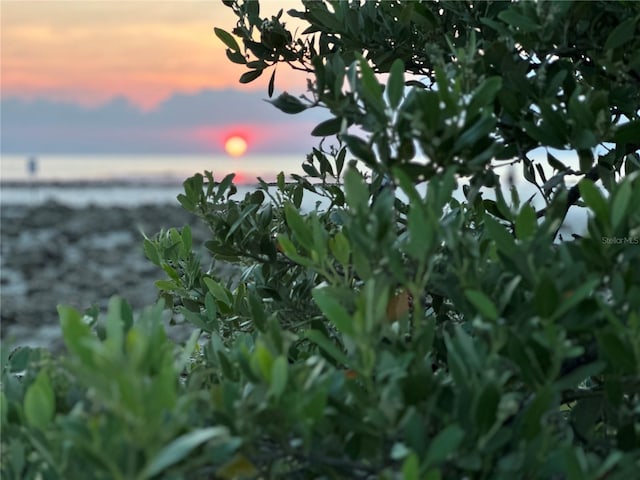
359	148
271	84
628	132
250	76
227	39
328	127
288	103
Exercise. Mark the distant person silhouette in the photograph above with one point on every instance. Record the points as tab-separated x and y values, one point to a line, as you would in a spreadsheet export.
32	166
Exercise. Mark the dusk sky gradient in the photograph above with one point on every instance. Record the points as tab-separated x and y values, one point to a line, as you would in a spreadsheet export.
78	76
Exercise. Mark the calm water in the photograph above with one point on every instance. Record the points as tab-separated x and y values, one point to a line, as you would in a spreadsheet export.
147	168
135	180
125	180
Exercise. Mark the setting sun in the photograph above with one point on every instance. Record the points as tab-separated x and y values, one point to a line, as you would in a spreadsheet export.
235	146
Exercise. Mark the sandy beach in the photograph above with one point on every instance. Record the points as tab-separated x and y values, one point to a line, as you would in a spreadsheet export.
52	253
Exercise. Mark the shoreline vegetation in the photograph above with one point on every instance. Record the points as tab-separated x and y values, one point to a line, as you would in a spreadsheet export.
426	322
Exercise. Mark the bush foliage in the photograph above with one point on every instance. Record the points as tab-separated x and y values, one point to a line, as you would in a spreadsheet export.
393	330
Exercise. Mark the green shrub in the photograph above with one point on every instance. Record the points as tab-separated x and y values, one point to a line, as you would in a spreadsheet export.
113	409
394	330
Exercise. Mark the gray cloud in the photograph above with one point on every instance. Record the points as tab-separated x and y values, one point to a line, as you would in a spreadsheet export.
174	126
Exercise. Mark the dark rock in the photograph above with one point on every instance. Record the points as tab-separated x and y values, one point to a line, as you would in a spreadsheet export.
53	254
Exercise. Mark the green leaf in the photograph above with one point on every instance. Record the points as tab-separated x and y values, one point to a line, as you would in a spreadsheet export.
585	159
310	170
395	84
187	239
518	21
186	354
4	406
444	444
340	248
246	213
181	447
621	34
151	252
166	285
370	86
250	76
296	223
279	374
288	103
330	348
223	187
476	132
333	311
218	291
504	241
411	467
534	415
443	93
491	206
627	133
356	190
594	199
584	416
227	39
484	95
617	352
526	222
114	324
575	297
280	181
620	204
421	233
289	249
555	163
508	290
579	375
359	148
487	407
483	303
328	127
262	361
76	333
39	402
546	297
324	17
455	362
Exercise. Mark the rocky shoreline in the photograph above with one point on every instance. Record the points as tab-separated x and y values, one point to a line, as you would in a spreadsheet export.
53	254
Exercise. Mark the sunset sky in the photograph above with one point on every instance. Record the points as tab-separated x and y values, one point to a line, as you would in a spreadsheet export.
84	54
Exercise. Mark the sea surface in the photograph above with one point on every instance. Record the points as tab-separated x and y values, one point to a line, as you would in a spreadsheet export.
131	180
147	168
126	180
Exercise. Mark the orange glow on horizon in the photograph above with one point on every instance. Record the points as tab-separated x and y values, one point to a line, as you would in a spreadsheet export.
90	52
